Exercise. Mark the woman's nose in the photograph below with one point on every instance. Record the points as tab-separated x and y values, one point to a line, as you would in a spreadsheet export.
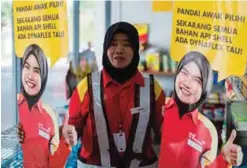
30	75
119	49
187	82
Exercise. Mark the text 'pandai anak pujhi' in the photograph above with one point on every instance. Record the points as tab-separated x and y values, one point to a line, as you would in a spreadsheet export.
205	29
213	15
41	6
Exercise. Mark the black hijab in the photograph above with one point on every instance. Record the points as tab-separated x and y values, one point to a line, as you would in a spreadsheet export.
38	53
121	75
206	72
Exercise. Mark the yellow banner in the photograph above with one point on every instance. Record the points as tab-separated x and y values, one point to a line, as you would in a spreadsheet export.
43	23
161	6
215	28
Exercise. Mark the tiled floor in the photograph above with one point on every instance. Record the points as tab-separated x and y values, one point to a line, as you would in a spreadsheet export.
11	155
9	146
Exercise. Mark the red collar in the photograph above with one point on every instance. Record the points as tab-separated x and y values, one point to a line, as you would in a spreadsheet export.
137	79
21	99
172	104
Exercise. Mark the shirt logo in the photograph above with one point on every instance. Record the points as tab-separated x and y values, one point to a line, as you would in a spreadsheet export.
44	132
194	142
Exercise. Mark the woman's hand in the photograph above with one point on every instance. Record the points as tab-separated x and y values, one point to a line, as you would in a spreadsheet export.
20	133
232	153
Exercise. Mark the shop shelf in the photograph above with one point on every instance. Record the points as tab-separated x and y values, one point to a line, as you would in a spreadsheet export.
159	73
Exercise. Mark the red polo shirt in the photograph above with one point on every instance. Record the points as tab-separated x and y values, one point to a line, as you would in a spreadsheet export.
190	141
36	146
118	100
39	129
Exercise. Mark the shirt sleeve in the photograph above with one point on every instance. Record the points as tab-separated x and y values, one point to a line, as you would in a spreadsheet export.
79	105
219	162
159	107
210	159
54	142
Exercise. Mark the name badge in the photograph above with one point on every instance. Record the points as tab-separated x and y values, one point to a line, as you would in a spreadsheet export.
194	145
44	134
136	110
120	141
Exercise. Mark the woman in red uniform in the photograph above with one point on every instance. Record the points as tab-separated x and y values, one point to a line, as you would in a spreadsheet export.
189	139
36	118
114	110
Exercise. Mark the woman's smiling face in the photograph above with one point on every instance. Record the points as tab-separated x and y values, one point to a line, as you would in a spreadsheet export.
31	78
188	84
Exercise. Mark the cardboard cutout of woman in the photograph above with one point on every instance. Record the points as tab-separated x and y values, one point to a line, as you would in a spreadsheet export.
189	139
38	122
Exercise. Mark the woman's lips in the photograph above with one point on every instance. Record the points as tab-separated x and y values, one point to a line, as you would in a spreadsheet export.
30	84
119	58
185	90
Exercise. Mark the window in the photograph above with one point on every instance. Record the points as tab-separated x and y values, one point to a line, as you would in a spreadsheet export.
7	86
87	23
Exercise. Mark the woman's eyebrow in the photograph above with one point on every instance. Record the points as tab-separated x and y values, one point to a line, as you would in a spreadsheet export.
27	63
36	68
185	69
197	77
126	40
